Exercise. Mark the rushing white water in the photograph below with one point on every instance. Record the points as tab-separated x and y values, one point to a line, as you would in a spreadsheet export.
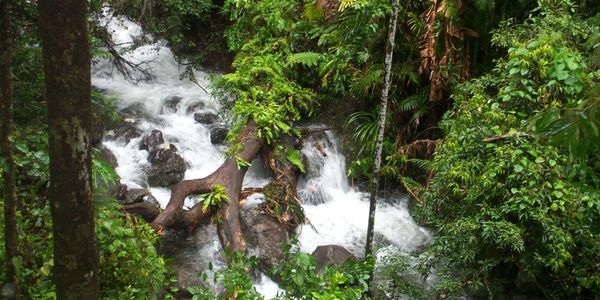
337	212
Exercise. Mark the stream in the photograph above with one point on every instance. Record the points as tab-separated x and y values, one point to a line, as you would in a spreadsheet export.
337	212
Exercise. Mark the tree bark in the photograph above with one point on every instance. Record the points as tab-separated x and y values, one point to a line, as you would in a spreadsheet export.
66	53
389	51
228	175
8	166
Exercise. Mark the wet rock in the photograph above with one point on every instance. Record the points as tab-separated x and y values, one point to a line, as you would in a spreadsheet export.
161	151
167	167
145	209
195	107
126	131
106	155
170	104
151	200
206	117
152	140
265	235
218	134
134	196
331	255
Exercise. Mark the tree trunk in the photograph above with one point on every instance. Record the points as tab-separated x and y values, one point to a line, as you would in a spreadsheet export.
230	176
8	167
66	53
389	50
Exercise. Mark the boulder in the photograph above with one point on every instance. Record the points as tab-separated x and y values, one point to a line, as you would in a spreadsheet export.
170	104
160	152
218	134
265	235
151	200
152	140
134	196
206	117
167	167
331	255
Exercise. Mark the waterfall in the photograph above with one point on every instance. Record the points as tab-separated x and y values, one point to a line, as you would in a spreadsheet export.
337	212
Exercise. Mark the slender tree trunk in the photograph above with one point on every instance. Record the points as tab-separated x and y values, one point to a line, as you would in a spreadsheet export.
6	108
389	50
63	28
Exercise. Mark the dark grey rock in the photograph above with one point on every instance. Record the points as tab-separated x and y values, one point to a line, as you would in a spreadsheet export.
152	140
331	255
218	134
265	235
206	117
160	152
151	200
134	196
167	167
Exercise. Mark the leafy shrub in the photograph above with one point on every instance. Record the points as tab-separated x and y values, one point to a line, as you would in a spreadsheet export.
507	215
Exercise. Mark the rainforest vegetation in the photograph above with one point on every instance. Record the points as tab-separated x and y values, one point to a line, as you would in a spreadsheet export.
492	126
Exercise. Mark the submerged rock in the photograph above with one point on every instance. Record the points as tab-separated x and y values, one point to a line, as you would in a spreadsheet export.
206	117
195	107
331	255
170	104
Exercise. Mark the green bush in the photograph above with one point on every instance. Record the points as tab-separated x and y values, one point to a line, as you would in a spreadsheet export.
508	216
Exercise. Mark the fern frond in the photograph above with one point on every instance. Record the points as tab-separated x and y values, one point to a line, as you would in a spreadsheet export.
423	164
308	59
412	102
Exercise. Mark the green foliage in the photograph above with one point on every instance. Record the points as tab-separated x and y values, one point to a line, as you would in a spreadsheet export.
308	59
295	158
215	198
300	280
507	215
235	280
130	267
398	278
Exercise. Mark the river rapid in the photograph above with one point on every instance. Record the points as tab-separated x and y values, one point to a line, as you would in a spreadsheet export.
337	212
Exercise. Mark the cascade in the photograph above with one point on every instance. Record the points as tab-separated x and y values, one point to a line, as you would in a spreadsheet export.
337	212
